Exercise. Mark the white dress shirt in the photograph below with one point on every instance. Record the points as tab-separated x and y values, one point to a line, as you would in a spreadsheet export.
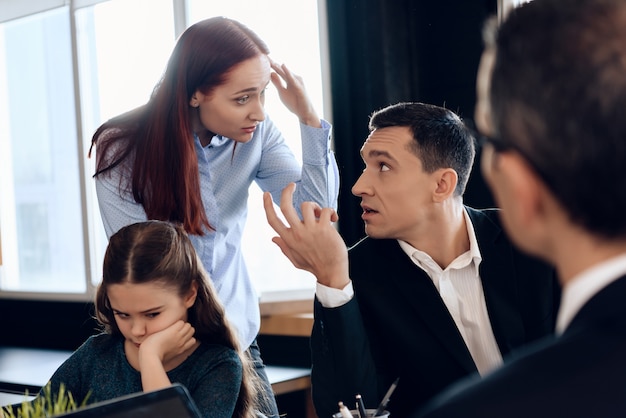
582	288
461	290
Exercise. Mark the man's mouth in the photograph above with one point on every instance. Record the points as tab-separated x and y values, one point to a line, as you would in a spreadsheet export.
367	209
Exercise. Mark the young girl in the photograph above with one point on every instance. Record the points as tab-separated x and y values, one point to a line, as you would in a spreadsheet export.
191	152
163	324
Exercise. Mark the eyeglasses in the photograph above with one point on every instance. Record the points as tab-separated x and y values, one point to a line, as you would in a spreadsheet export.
497	143
500	146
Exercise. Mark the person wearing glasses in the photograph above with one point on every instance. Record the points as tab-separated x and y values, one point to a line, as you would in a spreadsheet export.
435	292
190	154
552	91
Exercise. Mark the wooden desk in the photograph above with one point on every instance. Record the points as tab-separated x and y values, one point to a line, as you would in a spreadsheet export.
28	369
13	398
292	325
292	379
288	379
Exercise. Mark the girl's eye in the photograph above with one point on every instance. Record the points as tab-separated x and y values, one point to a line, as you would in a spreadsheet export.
384	167
121	315
243	100
153	314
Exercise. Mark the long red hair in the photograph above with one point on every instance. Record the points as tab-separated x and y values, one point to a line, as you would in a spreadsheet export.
155	141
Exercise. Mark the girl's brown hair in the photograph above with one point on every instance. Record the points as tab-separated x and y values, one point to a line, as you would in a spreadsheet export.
161	252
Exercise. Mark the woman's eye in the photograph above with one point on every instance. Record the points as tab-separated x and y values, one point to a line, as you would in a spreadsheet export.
243	100
153	314
384	167
120	315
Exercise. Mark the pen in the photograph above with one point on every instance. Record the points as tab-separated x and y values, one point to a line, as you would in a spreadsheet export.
345	412
385	401
360	406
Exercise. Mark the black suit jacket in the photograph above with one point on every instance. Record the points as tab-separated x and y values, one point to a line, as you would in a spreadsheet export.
398	326
582	373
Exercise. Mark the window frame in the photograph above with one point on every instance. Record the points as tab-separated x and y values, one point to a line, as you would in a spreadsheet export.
297	300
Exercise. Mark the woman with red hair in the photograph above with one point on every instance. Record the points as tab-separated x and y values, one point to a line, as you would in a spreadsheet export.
191	152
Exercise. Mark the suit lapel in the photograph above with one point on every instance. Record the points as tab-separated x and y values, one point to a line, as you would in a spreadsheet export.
420	293
605	306
499	280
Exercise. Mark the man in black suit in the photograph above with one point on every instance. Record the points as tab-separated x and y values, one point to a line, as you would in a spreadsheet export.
435	292
552	90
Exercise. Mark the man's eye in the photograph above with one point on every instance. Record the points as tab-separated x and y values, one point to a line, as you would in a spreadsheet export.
384	167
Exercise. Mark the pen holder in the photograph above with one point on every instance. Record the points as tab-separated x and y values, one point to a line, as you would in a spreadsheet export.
369	412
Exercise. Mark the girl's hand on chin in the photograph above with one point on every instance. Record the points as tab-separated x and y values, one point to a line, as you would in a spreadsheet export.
169	342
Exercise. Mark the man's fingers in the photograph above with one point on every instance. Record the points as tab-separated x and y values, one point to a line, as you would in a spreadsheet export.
286	205
311	212
272	217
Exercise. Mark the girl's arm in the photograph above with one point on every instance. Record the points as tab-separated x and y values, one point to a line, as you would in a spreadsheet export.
163	351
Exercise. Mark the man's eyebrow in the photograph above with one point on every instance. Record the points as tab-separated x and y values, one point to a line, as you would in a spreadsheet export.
379	153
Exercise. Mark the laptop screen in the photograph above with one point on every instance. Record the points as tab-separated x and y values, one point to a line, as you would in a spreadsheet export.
173	401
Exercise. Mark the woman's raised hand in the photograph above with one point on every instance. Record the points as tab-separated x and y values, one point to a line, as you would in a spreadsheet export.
293	94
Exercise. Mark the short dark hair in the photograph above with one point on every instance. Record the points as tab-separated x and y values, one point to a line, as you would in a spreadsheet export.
441	139
558	94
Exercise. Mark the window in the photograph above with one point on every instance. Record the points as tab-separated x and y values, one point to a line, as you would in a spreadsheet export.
297	53
40	196
67	66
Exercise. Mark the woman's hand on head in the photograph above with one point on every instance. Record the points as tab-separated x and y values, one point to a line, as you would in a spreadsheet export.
169	342
293	94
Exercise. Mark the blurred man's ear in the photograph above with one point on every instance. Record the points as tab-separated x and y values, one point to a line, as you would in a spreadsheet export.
524	183
482	113
529	210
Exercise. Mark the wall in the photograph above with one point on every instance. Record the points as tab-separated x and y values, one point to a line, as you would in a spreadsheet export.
383	52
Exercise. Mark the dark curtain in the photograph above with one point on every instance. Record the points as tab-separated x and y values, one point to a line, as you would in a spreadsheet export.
386	51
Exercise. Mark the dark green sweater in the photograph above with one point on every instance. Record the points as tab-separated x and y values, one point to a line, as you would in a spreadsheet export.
212	374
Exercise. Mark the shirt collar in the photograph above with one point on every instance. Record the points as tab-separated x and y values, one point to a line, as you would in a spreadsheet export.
216	141
473	256
584	286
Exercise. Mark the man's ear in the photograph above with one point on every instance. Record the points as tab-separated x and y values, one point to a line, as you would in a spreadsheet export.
529	192
447	180
482	110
